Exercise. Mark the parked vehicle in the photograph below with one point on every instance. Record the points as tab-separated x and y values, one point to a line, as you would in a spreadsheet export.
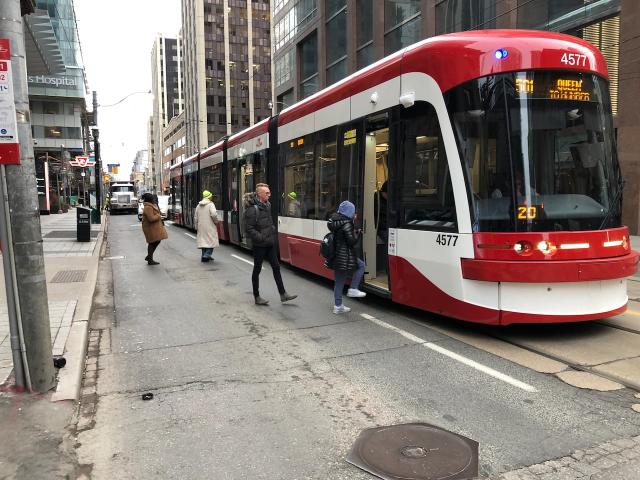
123	198
163	204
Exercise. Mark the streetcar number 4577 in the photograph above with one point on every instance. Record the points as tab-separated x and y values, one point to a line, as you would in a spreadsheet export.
574	59
447	240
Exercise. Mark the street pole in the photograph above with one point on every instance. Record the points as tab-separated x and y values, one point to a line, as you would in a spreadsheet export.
25	237
98	166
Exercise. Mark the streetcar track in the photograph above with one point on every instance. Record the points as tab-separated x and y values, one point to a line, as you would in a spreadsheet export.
571	364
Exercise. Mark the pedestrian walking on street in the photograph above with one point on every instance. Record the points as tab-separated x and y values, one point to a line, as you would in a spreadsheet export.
152	226
262	232
345	259
205	221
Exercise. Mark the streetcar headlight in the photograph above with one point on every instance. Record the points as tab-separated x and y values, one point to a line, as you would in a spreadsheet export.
546	247
523	247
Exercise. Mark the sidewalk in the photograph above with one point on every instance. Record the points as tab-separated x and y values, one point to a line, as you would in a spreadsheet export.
71	269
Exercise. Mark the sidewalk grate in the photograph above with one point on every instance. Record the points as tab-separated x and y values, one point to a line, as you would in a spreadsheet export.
69	276
67	234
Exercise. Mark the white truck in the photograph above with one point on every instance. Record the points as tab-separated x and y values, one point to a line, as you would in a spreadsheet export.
122	198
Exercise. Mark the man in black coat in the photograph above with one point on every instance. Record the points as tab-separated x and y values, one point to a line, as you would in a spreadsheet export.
262	233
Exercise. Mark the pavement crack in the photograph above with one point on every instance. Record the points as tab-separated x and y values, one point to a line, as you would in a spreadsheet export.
239	337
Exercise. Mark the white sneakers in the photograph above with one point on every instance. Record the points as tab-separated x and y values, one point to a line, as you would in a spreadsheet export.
355	293
340	309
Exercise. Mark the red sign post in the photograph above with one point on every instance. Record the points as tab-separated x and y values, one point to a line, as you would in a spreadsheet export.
9	145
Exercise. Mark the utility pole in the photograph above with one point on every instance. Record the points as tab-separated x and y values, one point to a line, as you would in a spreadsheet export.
24	234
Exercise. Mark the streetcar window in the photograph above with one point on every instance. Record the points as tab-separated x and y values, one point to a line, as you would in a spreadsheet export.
538	142
297	197
211	179
427	193
326	154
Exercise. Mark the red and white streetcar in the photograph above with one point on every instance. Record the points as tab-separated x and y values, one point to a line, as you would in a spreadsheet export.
483	165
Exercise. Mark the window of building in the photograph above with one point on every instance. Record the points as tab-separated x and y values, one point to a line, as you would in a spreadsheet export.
561	15
292	21
285	100
309	83
459	15
284	66
52	132
331	7
405	35
364	33
427	193
402	24
336	41
399	11
605	35
298	177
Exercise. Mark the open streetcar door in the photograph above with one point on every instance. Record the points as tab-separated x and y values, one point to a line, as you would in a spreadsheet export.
374	205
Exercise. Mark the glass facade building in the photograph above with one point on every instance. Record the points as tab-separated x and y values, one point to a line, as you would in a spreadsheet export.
57	89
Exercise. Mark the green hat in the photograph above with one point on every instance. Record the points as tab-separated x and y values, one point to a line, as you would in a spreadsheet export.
207	194
292	195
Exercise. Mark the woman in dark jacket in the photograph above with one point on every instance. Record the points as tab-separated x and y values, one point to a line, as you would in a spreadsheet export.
345	260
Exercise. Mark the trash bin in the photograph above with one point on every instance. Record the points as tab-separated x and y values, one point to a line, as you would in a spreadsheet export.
83	224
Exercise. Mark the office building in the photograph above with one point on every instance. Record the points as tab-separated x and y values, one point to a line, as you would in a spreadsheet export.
227	65
166	86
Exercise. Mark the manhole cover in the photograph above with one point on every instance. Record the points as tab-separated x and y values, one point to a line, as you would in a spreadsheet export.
69	276
415	451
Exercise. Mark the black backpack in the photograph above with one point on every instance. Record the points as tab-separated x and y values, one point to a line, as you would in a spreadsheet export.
328	246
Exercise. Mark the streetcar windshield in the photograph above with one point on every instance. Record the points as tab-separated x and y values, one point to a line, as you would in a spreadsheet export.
538	150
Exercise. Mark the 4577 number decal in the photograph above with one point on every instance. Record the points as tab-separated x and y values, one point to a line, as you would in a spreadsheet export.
447	240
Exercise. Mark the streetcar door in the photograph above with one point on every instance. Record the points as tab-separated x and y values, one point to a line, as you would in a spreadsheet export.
234	236
374	206
245	186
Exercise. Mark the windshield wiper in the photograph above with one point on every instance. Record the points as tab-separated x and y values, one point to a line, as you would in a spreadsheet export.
615	203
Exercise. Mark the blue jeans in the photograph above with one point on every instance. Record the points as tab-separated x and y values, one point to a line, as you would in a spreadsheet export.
341	278
207	252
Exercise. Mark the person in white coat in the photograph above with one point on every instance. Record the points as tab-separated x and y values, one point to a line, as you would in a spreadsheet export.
205	220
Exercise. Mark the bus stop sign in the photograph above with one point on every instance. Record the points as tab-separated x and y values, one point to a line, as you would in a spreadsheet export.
9	145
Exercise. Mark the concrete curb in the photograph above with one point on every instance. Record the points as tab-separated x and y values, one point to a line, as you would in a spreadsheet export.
70	377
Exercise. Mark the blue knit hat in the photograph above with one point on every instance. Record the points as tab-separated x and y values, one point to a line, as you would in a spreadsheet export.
347	209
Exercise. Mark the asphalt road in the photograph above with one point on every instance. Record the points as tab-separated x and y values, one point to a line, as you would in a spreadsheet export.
283	391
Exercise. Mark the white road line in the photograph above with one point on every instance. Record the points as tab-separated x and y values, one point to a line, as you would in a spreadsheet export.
467	361
243	259
189	235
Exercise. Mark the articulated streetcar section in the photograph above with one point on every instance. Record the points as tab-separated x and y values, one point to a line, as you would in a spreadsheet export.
482	165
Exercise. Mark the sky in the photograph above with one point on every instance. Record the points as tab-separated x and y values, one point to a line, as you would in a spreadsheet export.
116	39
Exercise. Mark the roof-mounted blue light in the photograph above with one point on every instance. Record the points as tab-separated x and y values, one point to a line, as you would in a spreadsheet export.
501	54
